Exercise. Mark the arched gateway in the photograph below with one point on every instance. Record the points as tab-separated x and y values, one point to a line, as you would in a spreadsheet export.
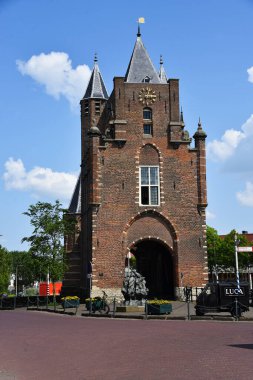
155	252
155	261
142	187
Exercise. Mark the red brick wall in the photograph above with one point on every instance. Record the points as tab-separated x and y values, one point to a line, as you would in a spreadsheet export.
112	216
118	186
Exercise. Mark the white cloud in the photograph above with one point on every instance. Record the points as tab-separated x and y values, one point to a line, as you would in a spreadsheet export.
40	181
246	197
250	72
233	142
55	72
222	149
247	127
234	150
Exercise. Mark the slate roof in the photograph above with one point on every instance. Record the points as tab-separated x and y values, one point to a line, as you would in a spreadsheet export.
140	65
96	87
75	203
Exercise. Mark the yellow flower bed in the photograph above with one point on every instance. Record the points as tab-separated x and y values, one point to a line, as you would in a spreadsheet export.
158	302
70	298
91	299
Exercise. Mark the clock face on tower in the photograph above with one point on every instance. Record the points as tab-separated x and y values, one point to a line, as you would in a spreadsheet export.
147	96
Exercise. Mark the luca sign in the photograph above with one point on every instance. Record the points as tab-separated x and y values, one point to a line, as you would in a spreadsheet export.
234	292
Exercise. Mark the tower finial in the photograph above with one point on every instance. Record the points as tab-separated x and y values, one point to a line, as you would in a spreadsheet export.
199	124
162	73
139	30
141	20
95	57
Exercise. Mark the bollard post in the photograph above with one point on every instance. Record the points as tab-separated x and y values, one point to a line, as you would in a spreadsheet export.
188	293
146	310
90	308
236	309
114	307
188	309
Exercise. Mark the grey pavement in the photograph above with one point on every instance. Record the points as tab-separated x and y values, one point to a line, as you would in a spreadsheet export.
179	312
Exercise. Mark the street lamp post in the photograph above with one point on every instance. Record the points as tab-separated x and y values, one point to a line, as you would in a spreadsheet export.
237	242
17	278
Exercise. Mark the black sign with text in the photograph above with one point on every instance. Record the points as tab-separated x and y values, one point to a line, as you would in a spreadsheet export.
233	292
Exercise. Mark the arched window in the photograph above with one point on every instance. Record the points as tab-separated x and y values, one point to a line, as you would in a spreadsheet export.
147	113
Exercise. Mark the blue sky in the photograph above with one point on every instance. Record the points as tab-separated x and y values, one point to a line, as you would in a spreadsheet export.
47	50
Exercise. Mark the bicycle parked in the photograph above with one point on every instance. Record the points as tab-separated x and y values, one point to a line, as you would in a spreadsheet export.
99	304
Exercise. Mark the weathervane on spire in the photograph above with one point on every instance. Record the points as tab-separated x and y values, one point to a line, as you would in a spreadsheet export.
141	20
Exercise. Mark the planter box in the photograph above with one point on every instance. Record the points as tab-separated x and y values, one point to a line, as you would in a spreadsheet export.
70	304
95	304
159	309
7	302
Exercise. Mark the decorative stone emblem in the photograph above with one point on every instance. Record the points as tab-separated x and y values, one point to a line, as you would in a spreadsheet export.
147	96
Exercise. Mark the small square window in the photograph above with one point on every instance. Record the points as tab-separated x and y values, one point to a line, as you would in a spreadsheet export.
86	107
147	129
97	107
146	79
147	114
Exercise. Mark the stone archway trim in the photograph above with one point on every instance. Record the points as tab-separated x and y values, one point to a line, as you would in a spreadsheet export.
160	215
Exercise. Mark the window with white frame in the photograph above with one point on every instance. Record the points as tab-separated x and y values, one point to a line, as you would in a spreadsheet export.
149	185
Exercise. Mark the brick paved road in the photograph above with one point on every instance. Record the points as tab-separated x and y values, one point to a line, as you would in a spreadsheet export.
41	346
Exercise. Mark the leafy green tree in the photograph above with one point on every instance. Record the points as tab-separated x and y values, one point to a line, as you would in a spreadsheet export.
214	249
244	258
228	247
25	266
47	240
5	269
221	251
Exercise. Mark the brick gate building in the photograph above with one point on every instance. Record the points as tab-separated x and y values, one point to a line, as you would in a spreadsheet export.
142	187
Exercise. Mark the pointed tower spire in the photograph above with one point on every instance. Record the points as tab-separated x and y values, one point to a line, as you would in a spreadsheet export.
162	73
181	115
200	133
141	68
96	87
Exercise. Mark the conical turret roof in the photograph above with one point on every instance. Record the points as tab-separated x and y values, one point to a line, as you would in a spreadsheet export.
96	87
75	203
162	73
141	68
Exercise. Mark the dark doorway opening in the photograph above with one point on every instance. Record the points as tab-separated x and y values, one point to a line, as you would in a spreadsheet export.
154	261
